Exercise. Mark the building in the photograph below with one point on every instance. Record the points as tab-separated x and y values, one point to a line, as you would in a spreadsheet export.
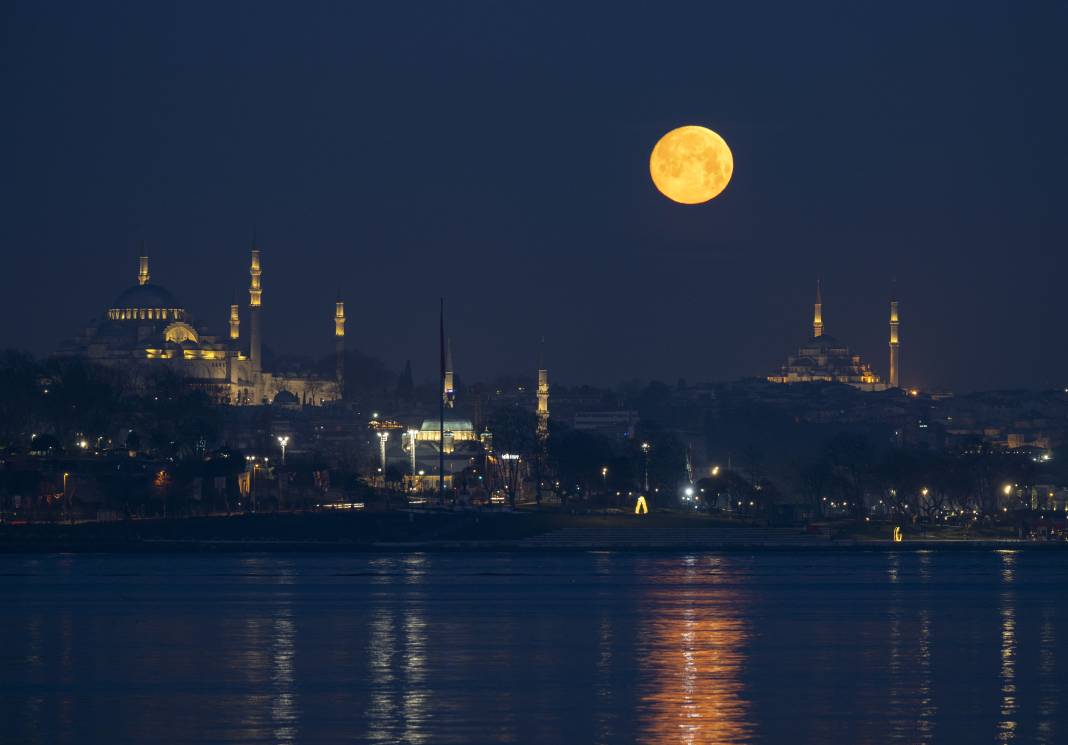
825	358
147	328
613	424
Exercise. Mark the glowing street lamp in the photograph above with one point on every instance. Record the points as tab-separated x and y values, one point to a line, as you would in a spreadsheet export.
283	440
411	444
645	451
383	437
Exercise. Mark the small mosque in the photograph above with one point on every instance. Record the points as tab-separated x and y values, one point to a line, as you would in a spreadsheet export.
416	451
420	453
825	358
146	327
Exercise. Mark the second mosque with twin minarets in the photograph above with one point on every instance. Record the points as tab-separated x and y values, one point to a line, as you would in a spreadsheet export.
824	358
147	328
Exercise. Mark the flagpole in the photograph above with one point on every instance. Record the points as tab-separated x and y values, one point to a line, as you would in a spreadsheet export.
441	405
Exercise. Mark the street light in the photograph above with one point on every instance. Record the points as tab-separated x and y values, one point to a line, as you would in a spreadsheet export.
283	440
383	436
645	451
411	444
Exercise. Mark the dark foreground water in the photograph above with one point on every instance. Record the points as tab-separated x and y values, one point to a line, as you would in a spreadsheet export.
577	648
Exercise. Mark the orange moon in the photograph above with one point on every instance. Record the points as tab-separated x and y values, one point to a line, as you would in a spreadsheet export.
691	165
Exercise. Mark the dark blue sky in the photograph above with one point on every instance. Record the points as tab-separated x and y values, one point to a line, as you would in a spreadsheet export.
501	149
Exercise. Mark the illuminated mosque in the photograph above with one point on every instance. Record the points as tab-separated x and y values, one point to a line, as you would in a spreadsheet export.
824	358
148	327
419	453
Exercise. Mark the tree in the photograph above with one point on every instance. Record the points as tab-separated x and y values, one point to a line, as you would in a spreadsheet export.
513	435
814	481
577	458
19	390
666	456
850	460
79	397
513	430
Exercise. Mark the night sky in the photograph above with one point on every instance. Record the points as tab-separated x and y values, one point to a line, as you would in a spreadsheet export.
500	151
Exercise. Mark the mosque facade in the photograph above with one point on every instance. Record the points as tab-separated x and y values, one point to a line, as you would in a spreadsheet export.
147	328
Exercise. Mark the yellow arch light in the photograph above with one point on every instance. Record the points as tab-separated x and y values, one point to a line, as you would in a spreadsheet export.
897	534
641	507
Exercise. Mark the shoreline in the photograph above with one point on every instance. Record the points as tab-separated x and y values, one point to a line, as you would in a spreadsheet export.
155	547
520	532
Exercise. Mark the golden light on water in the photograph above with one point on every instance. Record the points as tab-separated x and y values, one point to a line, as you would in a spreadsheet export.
695	654
691	165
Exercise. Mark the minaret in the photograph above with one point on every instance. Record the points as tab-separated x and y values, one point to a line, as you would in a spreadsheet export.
817	319
895	347
449	391
235	321
142	272
543	400
542	431
255	293
339	342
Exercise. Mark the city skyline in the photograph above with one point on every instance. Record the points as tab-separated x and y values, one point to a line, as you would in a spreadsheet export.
107	338
452	162
533	372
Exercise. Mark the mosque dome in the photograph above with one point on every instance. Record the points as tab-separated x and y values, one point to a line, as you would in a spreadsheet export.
451	425
145	302
145	296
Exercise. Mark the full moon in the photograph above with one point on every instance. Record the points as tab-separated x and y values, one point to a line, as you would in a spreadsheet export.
691	165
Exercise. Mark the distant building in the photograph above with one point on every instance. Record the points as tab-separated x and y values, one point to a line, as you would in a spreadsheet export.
618	425
825	358
146	327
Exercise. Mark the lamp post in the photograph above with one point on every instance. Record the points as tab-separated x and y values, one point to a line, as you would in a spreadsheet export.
252	482
645	451
411	444
511	472
283	440
604	479
383	437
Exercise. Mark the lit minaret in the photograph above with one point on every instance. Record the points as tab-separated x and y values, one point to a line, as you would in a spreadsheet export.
449	391
255	293
543	401
142	272
235	322
895	347
817	320
542	431
339	340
